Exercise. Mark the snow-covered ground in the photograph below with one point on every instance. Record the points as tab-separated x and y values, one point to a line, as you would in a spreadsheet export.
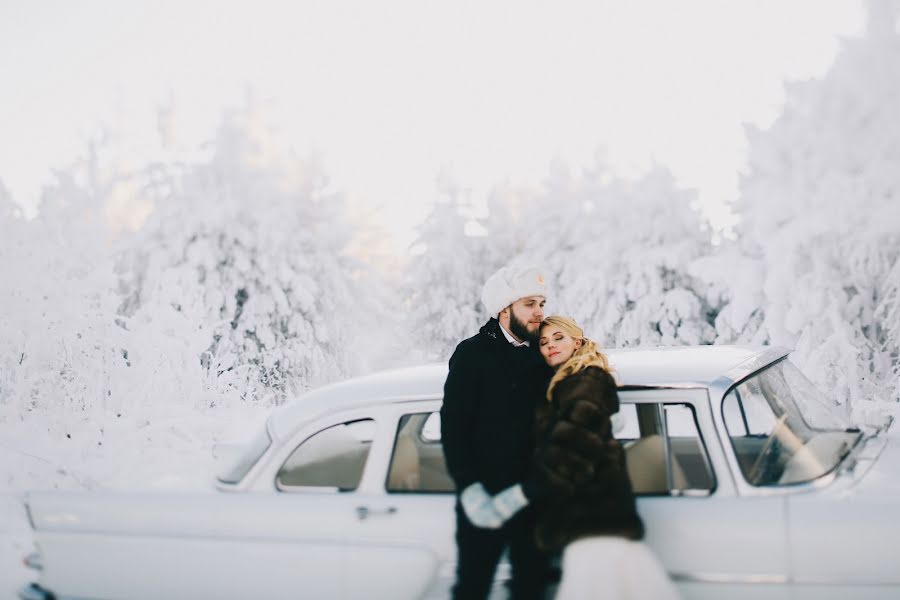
159	450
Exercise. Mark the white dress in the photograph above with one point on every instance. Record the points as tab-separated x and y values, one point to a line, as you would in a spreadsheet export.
613	568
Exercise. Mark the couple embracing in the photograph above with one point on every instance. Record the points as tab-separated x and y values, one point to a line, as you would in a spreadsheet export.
527	435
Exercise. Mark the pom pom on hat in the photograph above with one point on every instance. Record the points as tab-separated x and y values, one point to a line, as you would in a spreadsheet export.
509	284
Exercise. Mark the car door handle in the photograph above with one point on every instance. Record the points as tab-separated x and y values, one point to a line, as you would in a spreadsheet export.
364	512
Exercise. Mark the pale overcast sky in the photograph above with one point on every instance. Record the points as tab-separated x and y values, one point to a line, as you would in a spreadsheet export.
391	93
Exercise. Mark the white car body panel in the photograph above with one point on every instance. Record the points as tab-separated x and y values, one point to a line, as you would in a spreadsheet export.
190	545
844	536
252	539
708	552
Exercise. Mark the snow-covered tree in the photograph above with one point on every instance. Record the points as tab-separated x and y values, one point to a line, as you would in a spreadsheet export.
8	208
241	283
60	346
820	221
617	252
239	286
448	268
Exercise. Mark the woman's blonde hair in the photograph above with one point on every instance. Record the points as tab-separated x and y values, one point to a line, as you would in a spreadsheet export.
588	355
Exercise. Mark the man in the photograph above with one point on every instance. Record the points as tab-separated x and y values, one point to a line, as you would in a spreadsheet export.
497	379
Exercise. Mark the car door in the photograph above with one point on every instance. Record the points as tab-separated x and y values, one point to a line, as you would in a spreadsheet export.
306	525
713	542
290	541
343	535
403	540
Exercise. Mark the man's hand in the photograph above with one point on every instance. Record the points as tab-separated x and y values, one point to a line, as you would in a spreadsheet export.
509	502
479	507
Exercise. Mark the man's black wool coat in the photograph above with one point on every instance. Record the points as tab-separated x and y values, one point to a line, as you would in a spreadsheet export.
491	396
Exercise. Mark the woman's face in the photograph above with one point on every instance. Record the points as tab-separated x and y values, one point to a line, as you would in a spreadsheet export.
556	345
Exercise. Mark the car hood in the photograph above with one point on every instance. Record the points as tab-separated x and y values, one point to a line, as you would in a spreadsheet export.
876	469
844	533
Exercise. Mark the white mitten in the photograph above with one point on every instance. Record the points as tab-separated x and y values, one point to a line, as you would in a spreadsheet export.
510	501
479	507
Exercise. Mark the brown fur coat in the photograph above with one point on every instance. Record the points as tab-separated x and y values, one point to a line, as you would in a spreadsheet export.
581	466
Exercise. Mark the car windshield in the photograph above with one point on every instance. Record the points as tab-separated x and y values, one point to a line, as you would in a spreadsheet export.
781	429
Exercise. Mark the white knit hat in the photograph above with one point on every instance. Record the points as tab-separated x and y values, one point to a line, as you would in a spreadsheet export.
509	284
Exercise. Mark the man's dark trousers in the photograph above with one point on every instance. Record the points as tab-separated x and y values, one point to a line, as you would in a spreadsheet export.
480	551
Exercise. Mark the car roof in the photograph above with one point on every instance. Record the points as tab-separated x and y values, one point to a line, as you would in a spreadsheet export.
659	367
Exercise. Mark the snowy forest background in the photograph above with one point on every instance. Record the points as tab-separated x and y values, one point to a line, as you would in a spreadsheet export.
149	310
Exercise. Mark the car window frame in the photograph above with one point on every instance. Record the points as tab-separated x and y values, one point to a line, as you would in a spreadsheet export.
422	404
328	488
376	412
746	488
392	439
697	399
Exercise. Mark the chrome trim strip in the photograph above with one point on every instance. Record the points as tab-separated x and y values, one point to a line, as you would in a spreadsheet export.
751	578
663	416
726	452
844	582
332	539
784	489
756	363
769	579
309	489
684	385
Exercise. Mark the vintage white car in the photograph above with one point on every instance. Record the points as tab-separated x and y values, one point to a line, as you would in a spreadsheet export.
748	485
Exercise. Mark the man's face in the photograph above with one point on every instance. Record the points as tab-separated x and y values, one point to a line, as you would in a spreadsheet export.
525	316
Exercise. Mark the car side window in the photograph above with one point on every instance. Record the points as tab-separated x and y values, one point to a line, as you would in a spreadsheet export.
333	458
747	411
417	462
749	441
664	451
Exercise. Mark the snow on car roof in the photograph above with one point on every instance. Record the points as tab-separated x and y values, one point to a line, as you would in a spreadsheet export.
673	366
696	366
409	383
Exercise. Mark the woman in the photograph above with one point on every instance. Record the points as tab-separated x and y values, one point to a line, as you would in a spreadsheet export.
589	509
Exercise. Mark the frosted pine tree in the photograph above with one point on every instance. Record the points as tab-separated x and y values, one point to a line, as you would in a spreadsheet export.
8	208
618	252
60	346
445	276
242	284
820	219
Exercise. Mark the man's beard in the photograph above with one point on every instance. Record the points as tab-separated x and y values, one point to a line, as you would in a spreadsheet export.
520	329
